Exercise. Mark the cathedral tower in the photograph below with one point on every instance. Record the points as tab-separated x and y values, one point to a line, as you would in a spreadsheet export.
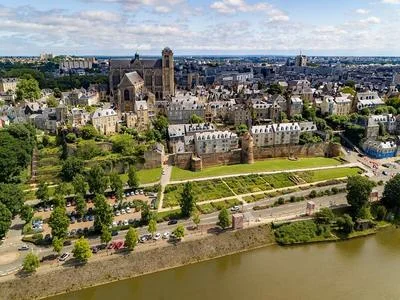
168	74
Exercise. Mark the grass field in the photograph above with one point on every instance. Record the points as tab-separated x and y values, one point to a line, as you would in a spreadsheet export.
145	176
259	166
220	188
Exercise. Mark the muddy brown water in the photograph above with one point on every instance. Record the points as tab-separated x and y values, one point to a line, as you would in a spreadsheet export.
364	268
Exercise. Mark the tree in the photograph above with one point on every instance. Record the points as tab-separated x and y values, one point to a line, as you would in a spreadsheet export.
80	185
123	144
116	185
391	193
195	119
325	216
359	189
103	211
133	180
242	129
70	138
26	213
82	250
88	132
145	214
224	218
5	219
131	239
12	196
161	125
42	193
345	223
70	168
28	89
80	204
275	89
188	200
58	244
152	226
52	101
105	235
381	212
64	189
97	180
57	93
59	200
179	232
196	219
87	150
59	222
30	263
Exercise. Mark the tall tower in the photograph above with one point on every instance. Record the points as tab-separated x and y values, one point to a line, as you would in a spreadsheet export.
168	73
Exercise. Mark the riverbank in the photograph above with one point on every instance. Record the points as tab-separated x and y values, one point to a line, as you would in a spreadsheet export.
115	267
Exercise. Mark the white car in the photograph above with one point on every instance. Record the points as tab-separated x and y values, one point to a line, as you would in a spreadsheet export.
166	235
157	236
235	208
141	192
114	224
117	213
128	210
125	223
123	211
64	256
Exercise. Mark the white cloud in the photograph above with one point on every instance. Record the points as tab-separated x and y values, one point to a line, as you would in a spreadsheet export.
371	20
237	6
391	1
362	11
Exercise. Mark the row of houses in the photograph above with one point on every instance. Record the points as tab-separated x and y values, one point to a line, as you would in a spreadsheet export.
204	138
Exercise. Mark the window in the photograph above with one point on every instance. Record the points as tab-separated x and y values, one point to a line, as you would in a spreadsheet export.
126	95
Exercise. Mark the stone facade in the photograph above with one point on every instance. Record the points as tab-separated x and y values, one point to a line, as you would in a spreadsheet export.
158	75
8	84
105	121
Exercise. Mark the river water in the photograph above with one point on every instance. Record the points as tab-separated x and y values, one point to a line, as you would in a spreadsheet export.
364	268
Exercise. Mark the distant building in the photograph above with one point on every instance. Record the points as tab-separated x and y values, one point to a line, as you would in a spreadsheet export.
76	63
181	136
180	109
300	61
295	106
8	84
105	121
215	142
368	100
378	149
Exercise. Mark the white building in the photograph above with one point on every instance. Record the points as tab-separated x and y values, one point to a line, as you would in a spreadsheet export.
263	135
215	142
286	133
368	100
105	121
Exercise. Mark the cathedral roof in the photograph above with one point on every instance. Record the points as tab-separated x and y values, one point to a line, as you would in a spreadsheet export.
134	77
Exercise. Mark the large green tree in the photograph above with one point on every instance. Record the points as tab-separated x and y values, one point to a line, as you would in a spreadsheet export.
80	185
70	168
28	89
97	180
359	189
58	244
12	196
82	250
179	232
131	238
105	236
391	193
187	200
116	186
80	204
133	180
59	222
152	228
5	219
103	211
224	219
26	213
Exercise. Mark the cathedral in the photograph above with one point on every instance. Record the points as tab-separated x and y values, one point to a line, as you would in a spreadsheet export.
131	80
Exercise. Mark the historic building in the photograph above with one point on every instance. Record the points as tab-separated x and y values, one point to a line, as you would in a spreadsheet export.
157	76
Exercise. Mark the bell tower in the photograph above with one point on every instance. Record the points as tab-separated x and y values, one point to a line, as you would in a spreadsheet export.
168	73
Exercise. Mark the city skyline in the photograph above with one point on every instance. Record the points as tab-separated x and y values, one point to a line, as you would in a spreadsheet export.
211	27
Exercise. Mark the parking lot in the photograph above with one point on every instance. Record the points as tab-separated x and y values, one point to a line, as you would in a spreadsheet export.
125	213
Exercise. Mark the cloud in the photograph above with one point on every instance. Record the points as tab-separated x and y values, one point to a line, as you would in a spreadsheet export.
391	1
159	6
371	20
241	6
362	11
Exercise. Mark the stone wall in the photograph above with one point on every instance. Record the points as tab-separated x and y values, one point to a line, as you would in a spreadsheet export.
185	161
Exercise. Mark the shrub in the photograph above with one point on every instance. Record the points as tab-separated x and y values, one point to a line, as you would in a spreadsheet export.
313	194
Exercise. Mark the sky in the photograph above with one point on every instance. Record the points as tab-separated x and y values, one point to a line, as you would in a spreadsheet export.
200	27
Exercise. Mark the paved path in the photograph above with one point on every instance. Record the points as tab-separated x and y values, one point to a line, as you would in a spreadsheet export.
165	179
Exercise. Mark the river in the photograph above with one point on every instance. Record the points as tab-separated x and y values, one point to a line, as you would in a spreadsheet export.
364	268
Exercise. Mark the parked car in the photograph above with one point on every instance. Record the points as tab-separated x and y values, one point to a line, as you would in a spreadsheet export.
141	192
143	238
73	232
117	213
172	222
128	210
79	231
157	236
114	233
235	208
136	192
67	243
24	247
95	250
91	218
73	220
64	256
125	222
131	221
123	211
114	224
166	235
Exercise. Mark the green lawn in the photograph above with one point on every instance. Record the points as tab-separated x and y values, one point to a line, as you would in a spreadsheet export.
321	175
145	176
259	166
